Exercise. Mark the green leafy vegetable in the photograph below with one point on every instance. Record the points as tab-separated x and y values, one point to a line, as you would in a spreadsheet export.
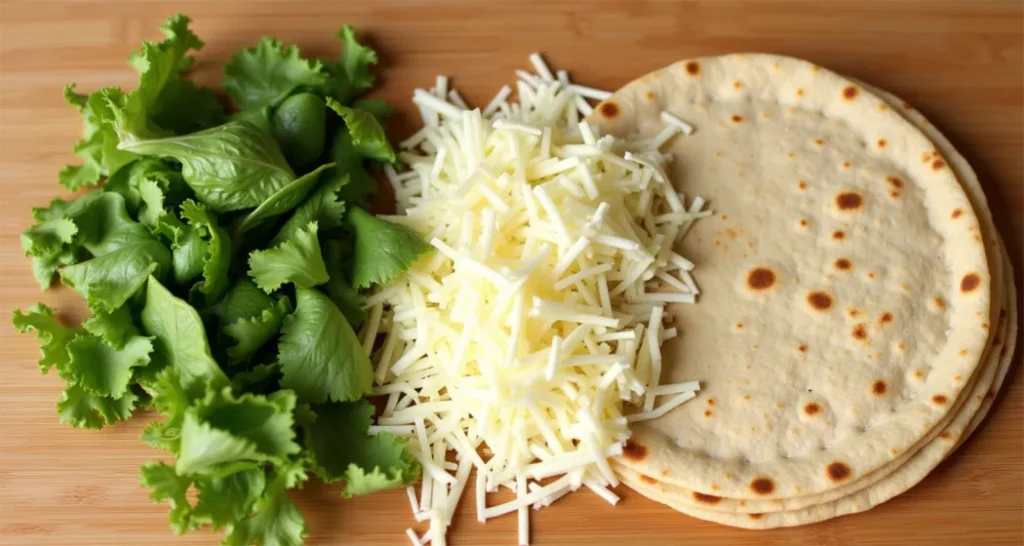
322	206
367	134
350	75
300	126
230	167
268	73
285	199
200	218
297	260
383	249
217	258
103	370
342	450
321	357
180	336
54	336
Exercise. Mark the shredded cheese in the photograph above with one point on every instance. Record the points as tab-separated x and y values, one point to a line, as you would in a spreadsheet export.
519	341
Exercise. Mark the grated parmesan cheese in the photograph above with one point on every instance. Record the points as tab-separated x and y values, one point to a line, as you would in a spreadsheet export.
518	342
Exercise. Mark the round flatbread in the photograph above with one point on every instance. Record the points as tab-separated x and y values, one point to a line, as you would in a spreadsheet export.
846	292
971	184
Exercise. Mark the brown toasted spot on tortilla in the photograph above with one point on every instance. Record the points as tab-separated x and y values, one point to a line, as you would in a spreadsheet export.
746	397
849	92
940	399
984	326
711	401
801	184
977	238
761	278
736	118
956	213
860	331
946	435
969	282
885	317
802	348
919	374
900	346
894	182
849	200
799	92
756	515
609	109
762	486
708	413
838	471
844	264
893	451
853	312
634	451
938	164
664	472
846	164
648	480
707	499
870	275
803	222
736	85
692	67
838	235
819	141
958	378
812	408
881	143
939	302
820	300
963	351
894	194
879	387
649	95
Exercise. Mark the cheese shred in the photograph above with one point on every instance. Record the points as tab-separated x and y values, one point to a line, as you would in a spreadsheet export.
521	341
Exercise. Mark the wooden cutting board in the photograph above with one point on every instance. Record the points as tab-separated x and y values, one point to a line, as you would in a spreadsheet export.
959	62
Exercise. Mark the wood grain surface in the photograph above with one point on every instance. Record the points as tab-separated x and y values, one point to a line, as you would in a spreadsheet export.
959	62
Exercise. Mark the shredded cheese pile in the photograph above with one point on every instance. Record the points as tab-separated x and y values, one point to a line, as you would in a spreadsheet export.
516	343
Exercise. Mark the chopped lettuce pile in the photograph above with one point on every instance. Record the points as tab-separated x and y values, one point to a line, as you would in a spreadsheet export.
222	260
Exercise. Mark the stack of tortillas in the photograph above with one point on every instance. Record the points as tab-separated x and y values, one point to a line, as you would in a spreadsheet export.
856	311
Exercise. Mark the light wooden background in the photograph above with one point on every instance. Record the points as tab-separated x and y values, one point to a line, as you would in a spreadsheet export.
959	62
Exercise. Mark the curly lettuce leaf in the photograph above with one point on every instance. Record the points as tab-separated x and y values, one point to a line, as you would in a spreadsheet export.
350	75
149	187
170	398
102	370
229	167
322	206
383	249
275	520
297	260
166	485
53	335
321	357
222	501
217	258
224	434
267	73
115	328
252	333
124	252
82	409
342	450
180	337
188	249
368	136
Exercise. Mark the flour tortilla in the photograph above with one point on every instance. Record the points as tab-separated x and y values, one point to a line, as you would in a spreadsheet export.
969	180
903	478
822	343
